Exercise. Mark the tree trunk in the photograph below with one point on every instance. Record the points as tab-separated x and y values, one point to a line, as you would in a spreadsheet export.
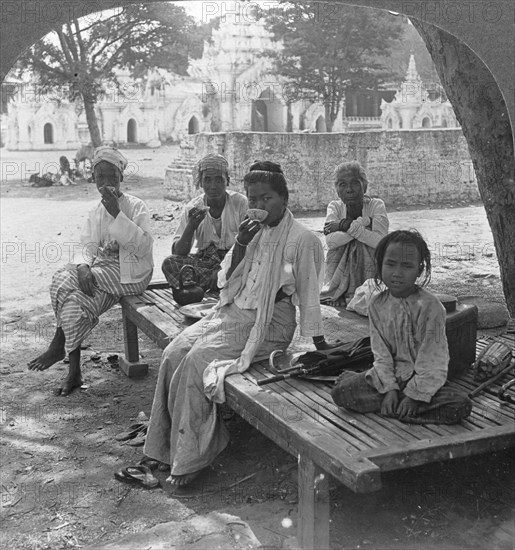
289	118
91	118
482	113
329	120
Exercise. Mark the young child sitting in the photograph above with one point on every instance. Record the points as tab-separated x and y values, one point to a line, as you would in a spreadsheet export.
66	172
407	331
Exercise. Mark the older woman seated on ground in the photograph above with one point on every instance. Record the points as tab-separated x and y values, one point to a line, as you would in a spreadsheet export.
116	261
211	219
273	268
353	227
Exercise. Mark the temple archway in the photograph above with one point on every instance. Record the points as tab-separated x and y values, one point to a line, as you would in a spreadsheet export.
132	131
320	125
302	121
48	133
259	116
268	113
193	126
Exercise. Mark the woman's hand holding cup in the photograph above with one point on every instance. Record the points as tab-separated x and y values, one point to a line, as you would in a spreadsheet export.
247	231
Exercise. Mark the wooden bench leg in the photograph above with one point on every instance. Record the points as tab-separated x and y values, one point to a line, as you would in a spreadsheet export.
313	516
131	365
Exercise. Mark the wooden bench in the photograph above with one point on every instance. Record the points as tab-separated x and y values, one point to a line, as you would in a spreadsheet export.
301	417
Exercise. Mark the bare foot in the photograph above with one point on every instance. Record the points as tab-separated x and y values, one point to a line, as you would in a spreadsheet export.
70	383
47	359
181	481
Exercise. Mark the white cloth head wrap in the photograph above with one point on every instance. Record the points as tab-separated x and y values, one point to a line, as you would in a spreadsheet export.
111	155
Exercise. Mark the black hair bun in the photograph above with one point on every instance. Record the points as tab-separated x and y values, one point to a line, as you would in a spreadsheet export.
266	166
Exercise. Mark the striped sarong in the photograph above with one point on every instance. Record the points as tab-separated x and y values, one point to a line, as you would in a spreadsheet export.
76	312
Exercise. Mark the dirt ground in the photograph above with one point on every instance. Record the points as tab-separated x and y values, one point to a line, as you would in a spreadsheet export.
58	455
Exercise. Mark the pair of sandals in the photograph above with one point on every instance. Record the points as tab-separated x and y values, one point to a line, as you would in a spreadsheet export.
134	436
141	474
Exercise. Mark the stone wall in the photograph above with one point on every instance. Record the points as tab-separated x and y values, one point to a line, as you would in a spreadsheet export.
408	167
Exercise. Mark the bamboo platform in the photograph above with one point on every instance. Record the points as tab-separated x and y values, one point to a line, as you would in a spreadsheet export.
301	417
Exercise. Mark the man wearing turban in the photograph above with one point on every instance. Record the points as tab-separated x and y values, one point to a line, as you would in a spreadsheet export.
208	224
114	260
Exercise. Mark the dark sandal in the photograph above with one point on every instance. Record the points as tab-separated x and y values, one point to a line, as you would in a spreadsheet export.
149	463
137	475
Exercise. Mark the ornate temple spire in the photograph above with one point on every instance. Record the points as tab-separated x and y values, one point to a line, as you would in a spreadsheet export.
412	74
232	48
412	90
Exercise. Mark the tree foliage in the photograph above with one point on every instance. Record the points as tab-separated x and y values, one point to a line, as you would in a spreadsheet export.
80	59
330	48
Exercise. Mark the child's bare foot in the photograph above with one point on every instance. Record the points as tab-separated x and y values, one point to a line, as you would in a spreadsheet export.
51	356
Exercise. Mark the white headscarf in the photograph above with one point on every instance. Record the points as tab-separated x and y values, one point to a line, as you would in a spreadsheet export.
111	155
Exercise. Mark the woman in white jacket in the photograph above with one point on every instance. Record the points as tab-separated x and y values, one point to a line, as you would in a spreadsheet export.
115	261
272	270
353	227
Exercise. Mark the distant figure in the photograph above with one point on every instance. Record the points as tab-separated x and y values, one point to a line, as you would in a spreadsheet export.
66	172
46	180
84	153
64	165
